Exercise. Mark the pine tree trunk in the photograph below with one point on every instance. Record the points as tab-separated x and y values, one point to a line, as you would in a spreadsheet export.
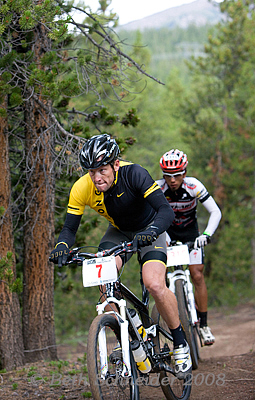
11	342
38	309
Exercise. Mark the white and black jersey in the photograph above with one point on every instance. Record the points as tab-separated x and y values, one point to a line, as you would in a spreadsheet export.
184	204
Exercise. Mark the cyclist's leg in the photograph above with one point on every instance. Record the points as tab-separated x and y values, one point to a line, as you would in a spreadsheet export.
153	273
197	276
196	268
154	279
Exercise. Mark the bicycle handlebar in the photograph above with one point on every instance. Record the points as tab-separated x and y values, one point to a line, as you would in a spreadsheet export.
77	257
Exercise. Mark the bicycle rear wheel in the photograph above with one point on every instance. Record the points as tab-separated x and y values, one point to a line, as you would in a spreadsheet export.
106	381
185	318
173	388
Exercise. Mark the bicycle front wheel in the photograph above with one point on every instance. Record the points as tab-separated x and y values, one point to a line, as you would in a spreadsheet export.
185	318
105	365
173	388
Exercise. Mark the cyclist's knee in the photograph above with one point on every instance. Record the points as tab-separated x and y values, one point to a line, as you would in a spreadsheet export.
196	272
118	261
154	287
154	278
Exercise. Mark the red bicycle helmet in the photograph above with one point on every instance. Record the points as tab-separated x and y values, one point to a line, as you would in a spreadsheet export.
173	161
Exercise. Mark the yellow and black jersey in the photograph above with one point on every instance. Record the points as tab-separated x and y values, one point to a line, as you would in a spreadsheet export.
133	202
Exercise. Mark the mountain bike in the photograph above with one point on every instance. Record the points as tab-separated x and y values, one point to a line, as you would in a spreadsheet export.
126	346
178	281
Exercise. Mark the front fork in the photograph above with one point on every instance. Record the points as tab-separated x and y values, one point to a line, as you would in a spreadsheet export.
126	367
185	276
191	298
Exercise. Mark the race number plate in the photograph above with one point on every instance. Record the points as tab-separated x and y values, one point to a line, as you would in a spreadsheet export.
177	255
99	271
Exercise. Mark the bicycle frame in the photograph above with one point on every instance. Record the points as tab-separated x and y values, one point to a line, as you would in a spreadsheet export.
123	316
142	308
184	275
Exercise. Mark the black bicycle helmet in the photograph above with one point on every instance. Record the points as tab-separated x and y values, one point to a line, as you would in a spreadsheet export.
97	151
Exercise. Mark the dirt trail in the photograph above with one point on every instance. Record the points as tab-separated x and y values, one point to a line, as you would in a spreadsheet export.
226	369
234	330
233	355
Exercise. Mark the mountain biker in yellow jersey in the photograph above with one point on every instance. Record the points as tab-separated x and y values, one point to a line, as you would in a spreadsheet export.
182	193
127	196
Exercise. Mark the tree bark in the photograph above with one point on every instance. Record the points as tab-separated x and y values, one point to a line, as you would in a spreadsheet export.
38	293
11	342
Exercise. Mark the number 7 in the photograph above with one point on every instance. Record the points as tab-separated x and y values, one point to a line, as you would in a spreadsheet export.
100	269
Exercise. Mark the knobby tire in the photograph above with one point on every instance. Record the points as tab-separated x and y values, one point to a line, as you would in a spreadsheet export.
173	388
185	317
114	387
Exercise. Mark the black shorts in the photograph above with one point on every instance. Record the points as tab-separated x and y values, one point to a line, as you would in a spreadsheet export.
155	252
187	234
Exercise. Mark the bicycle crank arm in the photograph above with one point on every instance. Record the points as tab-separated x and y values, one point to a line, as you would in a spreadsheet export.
160	366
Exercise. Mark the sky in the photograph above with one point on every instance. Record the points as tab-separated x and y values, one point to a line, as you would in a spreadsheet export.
131	10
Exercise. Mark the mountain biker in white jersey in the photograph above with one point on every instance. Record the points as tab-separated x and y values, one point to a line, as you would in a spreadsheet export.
183	193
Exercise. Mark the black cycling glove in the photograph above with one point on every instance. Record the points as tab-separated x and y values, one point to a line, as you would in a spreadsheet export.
145	238
60	254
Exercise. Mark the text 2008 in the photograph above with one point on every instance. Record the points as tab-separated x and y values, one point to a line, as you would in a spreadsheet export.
209	379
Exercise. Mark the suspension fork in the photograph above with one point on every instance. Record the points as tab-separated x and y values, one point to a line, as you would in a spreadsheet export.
123	323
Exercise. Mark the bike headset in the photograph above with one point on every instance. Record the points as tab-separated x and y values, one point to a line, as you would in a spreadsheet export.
99	150
173	162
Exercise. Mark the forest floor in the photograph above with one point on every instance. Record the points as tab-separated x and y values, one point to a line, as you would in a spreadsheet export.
226	369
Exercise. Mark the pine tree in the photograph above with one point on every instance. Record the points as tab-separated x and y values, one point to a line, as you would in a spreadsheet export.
42	67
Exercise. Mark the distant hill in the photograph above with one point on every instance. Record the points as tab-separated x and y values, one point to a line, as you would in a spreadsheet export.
199	13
